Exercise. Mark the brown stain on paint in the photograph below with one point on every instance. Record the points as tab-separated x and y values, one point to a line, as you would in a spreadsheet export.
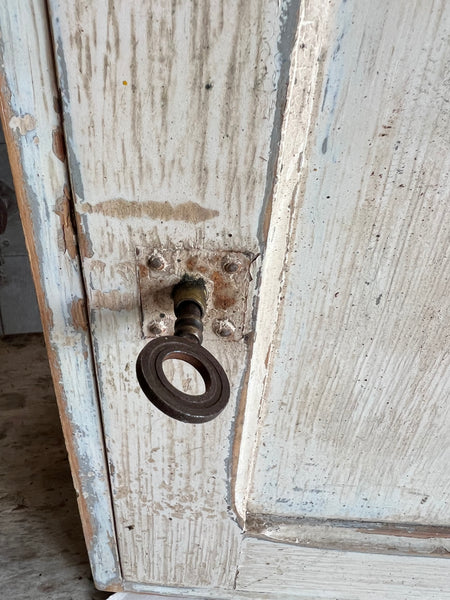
143	271
98	266
23	124
58	145
67	238
190	212
84	241
224	294
193	264
78	313
113	300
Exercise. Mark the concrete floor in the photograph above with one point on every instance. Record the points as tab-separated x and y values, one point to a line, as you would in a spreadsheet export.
42	552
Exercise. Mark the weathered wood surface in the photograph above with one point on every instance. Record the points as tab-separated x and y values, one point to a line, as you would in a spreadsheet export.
269	571
326	574
172	122
31	122
355	418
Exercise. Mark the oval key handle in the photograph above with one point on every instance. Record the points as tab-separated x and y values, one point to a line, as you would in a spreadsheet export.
190	304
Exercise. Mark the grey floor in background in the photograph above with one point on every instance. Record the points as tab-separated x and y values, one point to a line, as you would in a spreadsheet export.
42	552
19	311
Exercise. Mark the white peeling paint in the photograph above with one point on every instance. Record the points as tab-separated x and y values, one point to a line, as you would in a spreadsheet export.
23	124
27	59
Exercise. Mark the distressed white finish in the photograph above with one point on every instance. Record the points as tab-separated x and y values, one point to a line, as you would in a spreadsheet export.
355	417
30	121
296	572
306	76
171	116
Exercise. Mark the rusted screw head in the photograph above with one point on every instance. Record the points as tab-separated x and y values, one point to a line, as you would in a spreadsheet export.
156	262
156	328
231	265
224	327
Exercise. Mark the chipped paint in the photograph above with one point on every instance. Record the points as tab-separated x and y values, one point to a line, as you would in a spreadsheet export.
170	483
45	216
182	165
67	240
190	212
84	239
114	300
353	396
58	146
78	314
22	124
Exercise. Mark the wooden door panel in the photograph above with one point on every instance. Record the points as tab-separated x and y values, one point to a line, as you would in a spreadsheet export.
355	416
171	118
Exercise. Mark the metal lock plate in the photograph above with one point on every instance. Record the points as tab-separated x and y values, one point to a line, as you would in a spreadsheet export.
228	279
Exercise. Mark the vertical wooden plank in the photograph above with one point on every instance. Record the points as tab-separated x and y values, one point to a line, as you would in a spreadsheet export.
31	121
170	113
305	81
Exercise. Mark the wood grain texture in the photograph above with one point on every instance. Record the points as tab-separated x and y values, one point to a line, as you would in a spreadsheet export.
312	574
40	178
169	123
306	75
355	418
360	536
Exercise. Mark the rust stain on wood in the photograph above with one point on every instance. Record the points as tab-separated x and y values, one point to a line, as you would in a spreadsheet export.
192	264
223	294
191	212
67	238
78	313
59	147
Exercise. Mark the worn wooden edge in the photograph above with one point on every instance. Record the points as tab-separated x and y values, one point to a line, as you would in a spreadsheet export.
305	81
297	572
136	591
356	536
63	313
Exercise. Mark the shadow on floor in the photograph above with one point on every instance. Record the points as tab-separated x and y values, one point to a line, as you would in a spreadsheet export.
42	552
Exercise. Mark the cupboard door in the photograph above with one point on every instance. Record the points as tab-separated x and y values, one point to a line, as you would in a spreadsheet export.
326	474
